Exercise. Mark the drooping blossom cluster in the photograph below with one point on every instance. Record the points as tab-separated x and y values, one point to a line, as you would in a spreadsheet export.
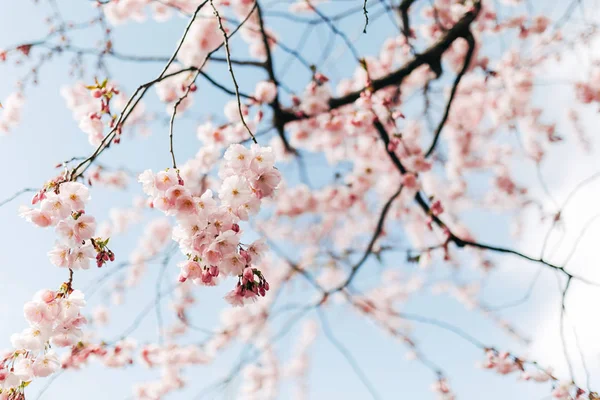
62	205
54	321
208	230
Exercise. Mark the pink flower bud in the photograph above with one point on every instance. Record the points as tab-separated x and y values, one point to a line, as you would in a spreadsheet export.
235	228
319	77
436	208
246	256
248	274
206	277
409	180
239	290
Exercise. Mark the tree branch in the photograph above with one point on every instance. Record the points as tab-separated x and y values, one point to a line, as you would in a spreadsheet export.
431	56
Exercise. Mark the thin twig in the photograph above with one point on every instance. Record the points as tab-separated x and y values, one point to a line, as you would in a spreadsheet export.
230	68
346	354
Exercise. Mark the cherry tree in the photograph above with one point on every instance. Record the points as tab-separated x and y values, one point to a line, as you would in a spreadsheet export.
242	186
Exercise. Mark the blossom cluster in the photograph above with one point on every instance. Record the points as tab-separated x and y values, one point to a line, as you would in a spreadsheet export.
121	11
504	363
96	106
208	230
89	104
204	35
10	113
62	205
117	179
589	91
54	321
117	355
178	86
171	358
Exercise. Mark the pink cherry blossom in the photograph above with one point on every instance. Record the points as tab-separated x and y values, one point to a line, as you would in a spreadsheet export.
265	91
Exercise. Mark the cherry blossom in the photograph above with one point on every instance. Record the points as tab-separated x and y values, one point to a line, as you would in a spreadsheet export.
10	113
207	230
54	319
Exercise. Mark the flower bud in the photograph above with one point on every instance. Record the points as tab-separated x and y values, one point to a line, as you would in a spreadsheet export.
248	274
206	277
246	256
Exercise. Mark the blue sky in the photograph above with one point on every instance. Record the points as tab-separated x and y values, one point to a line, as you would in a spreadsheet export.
48	134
